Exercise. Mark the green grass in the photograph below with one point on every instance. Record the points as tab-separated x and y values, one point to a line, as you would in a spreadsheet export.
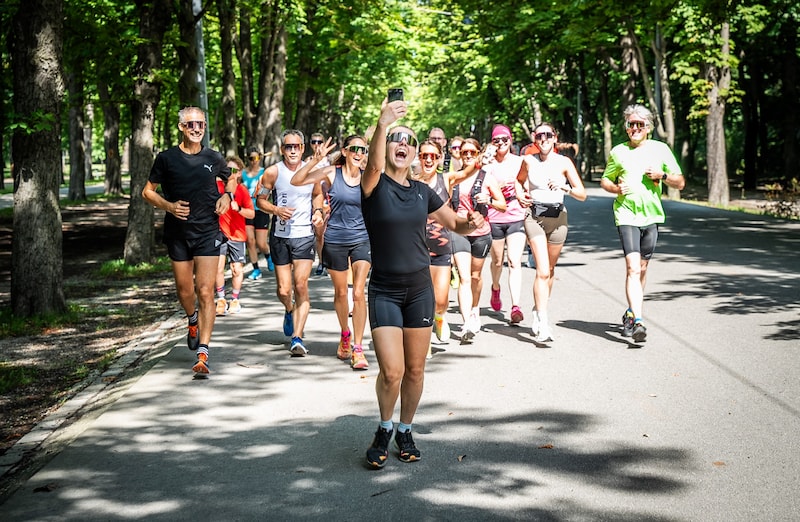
13	326
13	376
117	268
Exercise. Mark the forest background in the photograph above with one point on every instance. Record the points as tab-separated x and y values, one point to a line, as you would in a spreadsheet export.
85	76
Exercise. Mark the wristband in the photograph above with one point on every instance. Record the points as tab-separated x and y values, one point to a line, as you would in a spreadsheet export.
664	176
231	195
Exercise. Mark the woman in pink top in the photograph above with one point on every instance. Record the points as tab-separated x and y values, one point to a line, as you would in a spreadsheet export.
508	229
479	191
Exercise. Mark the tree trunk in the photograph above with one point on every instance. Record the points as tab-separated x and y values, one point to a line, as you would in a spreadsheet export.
630	71
88	124
113	163
77	153
37	277
244	54
789	92
227	137
188	63
153	23
719	77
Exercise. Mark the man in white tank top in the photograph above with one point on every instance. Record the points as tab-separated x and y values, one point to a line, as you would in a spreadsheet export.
291	239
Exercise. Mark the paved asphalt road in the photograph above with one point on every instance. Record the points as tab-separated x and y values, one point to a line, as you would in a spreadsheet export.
701	422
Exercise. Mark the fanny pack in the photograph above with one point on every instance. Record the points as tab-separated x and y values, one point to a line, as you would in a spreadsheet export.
547	209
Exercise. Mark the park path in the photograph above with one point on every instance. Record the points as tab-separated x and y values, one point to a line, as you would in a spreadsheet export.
698	423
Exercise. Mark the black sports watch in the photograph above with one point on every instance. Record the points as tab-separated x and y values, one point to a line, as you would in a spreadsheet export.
664	176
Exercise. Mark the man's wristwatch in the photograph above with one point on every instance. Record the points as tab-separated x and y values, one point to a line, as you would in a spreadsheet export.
664	176
231	195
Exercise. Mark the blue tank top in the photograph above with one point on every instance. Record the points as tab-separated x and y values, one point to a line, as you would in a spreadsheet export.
251	182
346	222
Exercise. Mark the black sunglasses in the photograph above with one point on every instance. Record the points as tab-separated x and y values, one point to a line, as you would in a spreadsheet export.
544	135
397	137
357	149
316	142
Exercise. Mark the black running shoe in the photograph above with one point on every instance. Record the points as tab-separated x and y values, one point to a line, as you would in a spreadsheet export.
639	332
405	443
378	453
627	323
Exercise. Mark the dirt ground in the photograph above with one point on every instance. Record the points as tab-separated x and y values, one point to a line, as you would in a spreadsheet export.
62	358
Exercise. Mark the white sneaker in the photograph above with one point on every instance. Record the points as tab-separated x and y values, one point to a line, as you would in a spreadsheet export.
545	334
535	323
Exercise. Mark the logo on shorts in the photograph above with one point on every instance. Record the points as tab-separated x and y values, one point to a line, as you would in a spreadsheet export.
209	167
426	320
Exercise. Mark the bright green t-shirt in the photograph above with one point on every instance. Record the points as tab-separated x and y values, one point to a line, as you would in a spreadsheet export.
642	207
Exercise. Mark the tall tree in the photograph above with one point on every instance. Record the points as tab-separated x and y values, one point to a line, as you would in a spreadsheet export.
227	136
36	55
154	20
718	76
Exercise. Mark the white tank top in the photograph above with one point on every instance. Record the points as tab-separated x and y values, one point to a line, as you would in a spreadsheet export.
299	198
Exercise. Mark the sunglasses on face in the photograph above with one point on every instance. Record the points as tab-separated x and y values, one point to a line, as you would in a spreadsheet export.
357	149
544	136
254	158
292	146
234	170
316	142
428	155
455	147
635	125
192	125
398	137
500	139
468	153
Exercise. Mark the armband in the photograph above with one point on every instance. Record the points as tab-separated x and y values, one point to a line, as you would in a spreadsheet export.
262	191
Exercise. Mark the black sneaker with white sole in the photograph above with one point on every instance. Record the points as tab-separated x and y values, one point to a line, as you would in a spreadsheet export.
378	452
408	450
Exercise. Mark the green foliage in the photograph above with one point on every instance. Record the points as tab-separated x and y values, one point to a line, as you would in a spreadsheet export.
13	376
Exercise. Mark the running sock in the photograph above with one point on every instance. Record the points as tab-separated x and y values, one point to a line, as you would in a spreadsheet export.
403	427
235	294
203	348
542	317
387	425
221	292
637	320
193	318
255	265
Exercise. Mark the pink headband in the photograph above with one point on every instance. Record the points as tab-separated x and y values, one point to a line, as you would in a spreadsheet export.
500	130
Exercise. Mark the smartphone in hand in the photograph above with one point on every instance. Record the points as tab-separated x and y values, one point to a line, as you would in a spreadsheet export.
395	94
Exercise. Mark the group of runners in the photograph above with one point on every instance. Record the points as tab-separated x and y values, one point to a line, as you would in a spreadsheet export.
412	217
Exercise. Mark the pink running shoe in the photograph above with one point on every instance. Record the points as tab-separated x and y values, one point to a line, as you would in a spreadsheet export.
516	315
496	303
